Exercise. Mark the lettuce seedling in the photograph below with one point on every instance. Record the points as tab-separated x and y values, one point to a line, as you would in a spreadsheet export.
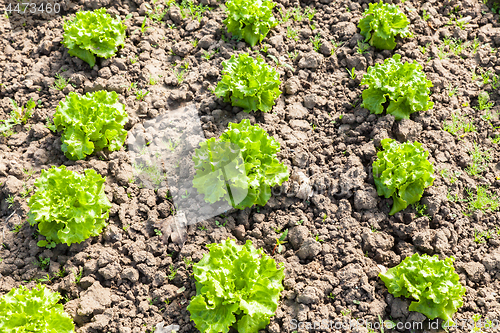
93	33
431	283
402	172
90	122
33	310
250	20
240	167
67	206
381	22
235	285
404	85
249	83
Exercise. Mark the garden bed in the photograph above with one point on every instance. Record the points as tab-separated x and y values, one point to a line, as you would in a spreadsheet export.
340	233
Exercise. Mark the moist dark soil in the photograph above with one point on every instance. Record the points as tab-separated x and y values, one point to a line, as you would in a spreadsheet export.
341	235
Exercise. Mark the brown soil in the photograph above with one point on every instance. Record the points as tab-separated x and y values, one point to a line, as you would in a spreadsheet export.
340	233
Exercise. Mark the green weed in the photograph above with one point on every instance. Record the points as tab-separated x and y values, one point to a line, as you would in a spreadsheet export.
60	83
482	200
458	124
479	162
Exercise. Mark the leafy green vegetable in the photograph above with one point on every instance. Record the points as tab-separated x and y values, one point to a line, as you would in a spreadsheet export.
18	115
235	284
432	283
93	33
68	207
90	122
250	20
249	83
35	310
386	21
240	167
402	172
403	84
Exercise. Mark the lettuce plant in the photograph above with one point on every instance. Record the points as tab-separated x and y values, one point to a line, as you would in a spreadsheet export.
249	83
402	172
67	206
93	33
431	283
33	310
240	167
90	122
250	20
235	285
403	85
381	22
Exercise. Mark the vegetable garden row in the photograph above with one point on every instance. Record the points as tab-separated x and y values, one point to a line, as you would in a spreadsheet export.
365	188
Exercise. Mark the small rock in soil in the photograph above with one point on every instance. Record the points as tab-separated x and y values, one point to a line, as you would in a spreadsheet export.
309	249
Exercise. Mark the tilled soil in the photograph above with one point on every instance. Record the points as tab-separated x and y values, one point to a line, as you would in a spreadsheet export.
340	234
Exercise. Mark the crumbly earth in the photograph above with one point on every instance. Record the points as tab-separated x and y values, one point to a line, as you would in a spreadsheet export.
340	234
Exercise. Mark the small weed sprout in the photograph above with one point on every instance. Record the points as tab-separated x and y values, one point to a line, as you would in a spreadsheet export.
173	272
458	124
352	73
280	241
452	91
293	55
141	94
335	46
285	15
10	200
362	47
43	263
292	34
297	14
60	83
482	200
425	15
483	101
18	115
479	162
316	42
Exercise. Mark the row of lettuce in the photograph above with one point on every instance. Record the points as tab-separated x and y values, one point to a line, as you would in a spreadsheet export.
239	286
236	285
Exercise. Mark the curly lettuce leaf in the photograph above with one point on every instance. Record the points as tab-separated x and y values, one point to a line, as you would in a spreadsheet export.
91	122
236	285
380	24
67	206
93	33
402	172
241	167
220	171
250	20
431	283
404	85
35	310
249	83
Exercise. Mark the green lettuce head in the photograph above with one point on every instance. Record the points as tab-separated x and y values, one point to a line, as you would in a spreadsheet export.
249	83
403	85
93	33
67	206
381	22
402	172
35	310
250	20
240	167
235	285
431	283
90	123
